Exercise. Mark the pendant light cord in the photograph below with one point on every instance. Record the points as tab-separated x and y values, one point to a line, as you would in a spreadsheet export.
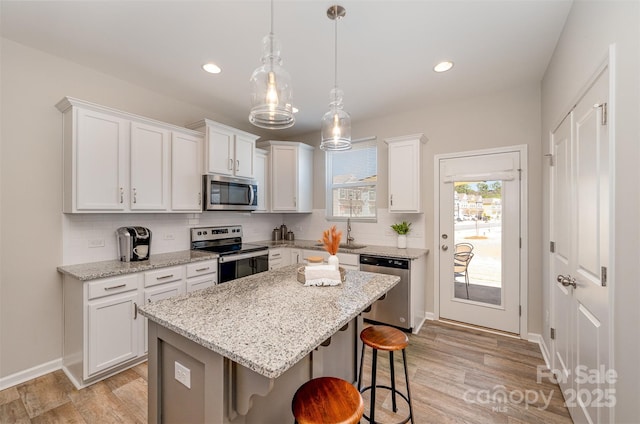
335	70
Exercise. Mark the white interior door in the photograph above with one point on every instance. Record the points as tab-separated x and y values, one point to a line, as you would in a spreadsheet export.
580	257
479	246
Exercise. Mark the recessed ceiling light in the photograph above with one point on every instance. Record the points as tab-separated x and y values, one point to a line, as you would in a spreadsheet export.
443	66
212	68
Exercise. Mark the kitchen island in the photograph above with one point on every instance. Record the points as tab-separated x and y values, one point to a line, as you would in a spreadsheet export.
237	352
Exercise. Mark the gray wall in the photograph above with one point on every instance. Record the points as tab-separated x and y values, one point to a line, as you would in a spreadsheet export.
31	192
591	27
501	119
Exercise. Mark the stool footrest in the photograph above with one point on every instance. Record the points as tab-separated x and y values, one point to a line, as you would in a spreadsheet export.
402	395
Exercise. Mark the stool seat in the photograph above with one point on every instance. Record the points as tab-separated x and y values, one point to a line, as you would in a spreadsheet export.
390	339
327	400
385	338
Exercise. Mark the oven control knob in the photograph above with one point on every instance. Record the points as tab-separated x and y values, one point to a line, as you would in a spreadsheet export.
204	232
199	233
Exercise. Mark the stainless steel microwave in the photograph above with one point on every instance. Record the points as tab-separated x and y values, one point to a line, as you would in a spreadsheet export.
230	193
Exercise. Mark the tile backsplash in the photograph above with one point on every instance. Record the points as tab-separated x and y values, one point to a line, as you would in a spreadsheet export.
91	237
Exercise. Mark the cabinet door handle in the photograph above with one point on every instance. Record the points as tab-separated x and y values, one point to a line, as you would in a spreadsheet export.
121	195
135	310
237	164
199	199
230	164
392	200
202	269
115	287
295	202
135	196
164	277
275	255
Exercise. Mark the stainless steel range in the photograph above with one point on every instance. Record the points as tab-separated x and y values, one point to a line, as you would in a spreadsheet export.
237	259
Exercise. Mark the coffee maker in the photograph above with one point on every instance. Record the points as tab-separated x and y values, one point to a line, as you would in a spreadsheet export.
134	243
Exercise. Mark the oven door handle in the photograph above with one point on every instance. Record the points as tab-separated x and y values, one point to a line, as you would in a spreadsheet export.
240	256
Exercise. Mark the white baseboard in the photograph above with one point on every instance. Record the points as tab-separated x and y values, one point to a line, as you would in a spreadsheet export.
30	374
537	338
429	316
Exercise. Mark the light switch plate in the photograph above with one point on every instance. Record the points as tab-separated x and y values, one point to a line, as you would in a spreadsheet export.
183	374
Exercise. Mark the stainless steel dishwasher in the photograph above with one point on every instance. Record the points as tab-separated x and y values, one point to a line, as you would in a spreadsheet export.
395	308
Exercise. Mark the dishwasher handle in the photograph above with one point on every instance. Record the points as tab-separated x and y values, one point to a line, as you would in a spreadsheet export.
385	262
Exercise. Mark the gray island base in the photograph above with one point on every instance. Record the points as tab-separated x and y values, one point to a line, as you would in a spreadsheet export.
237	352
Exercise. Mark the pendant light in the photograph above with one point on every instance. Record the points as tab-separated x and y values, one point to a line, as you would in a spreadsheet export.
336	124
271	91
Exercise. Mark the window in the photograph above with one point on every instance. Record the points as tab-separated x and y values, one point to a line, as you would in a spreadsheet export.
352	176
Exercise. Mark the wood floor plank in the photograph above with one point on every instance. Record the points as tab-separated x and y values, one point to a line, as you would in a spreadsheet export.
134	396
14	412
453	371
9	395
98	404
44	393
63	414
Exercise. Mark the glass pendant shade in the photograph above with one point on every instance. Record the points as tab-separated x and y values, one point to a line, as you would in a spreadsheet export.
336	125
271	91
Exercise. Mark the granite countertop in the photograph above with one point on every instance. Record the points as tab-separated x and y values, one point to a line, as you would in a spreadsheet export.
386	251
268	322
95	270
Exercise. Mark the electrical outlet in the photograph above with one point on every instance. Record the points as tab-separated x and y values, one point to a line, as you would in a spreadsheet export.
96	243
183	374
169	236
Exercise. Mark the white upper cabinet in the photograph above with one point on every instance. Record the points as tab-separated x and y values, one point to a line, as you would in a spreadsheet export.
149	167
96	155
118	162
228	151
186	173
261	173
291	176
405	173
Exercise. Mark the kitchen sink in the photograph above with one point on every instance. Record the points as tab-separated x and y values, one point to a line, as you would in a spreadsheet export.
346	246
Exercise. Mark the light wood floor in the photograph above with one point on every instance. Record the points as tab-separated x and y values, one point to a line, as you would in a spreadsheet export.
455	375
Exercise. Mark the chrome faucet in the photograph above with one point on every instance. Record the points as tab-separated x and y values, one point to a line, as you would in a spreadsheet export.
349	237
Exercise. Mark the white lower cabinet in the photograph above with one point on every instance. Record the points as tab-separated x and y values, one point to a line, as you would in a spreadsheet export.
103	332
347	260
278	258
113	331
295	255
201	275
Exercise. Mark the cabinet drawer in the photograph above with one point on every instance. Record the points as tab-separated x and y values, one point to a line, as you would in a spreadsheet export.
163	275
349	259
109	286
203	282
202	268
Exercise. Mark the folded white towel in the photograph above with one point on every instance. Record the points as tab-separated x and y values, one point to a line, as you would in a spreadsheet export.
321	275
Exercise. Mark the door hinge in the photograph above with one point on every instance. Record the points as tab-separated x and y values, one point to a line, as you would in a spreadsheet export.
552	246
550	156
519	174
520	310
603	276
553	333
603	117
520	242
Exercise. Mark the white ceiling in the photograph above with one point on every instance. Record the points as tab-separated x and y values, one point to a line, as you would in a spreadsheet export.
387	49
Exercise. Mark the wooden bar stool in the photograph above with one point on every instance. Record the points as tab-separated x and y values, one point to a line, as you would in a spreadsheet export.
327	400
381	337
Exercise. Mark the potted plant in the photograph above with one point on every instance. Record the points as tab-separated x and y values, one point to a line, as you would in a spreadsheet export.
402	229
331	242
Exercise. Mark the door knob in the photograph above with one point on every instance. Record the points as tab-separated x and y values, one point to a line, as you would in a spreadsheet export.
445	247
567	281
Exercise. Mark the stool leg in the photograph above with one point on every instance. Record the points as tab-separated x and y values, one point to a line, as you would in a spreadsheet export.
372	411
393	382
406	379
361	364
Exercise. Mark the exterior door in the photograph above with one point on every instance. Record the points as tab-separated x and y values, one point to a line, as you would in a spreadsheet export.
580	256
479	232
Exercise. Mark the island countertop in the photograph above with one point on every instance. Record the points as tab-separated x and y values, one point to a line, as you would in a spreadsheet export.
267	322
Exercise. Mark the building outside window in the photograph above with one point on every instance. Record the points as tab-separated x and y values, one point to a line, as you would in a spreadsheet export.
352	178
